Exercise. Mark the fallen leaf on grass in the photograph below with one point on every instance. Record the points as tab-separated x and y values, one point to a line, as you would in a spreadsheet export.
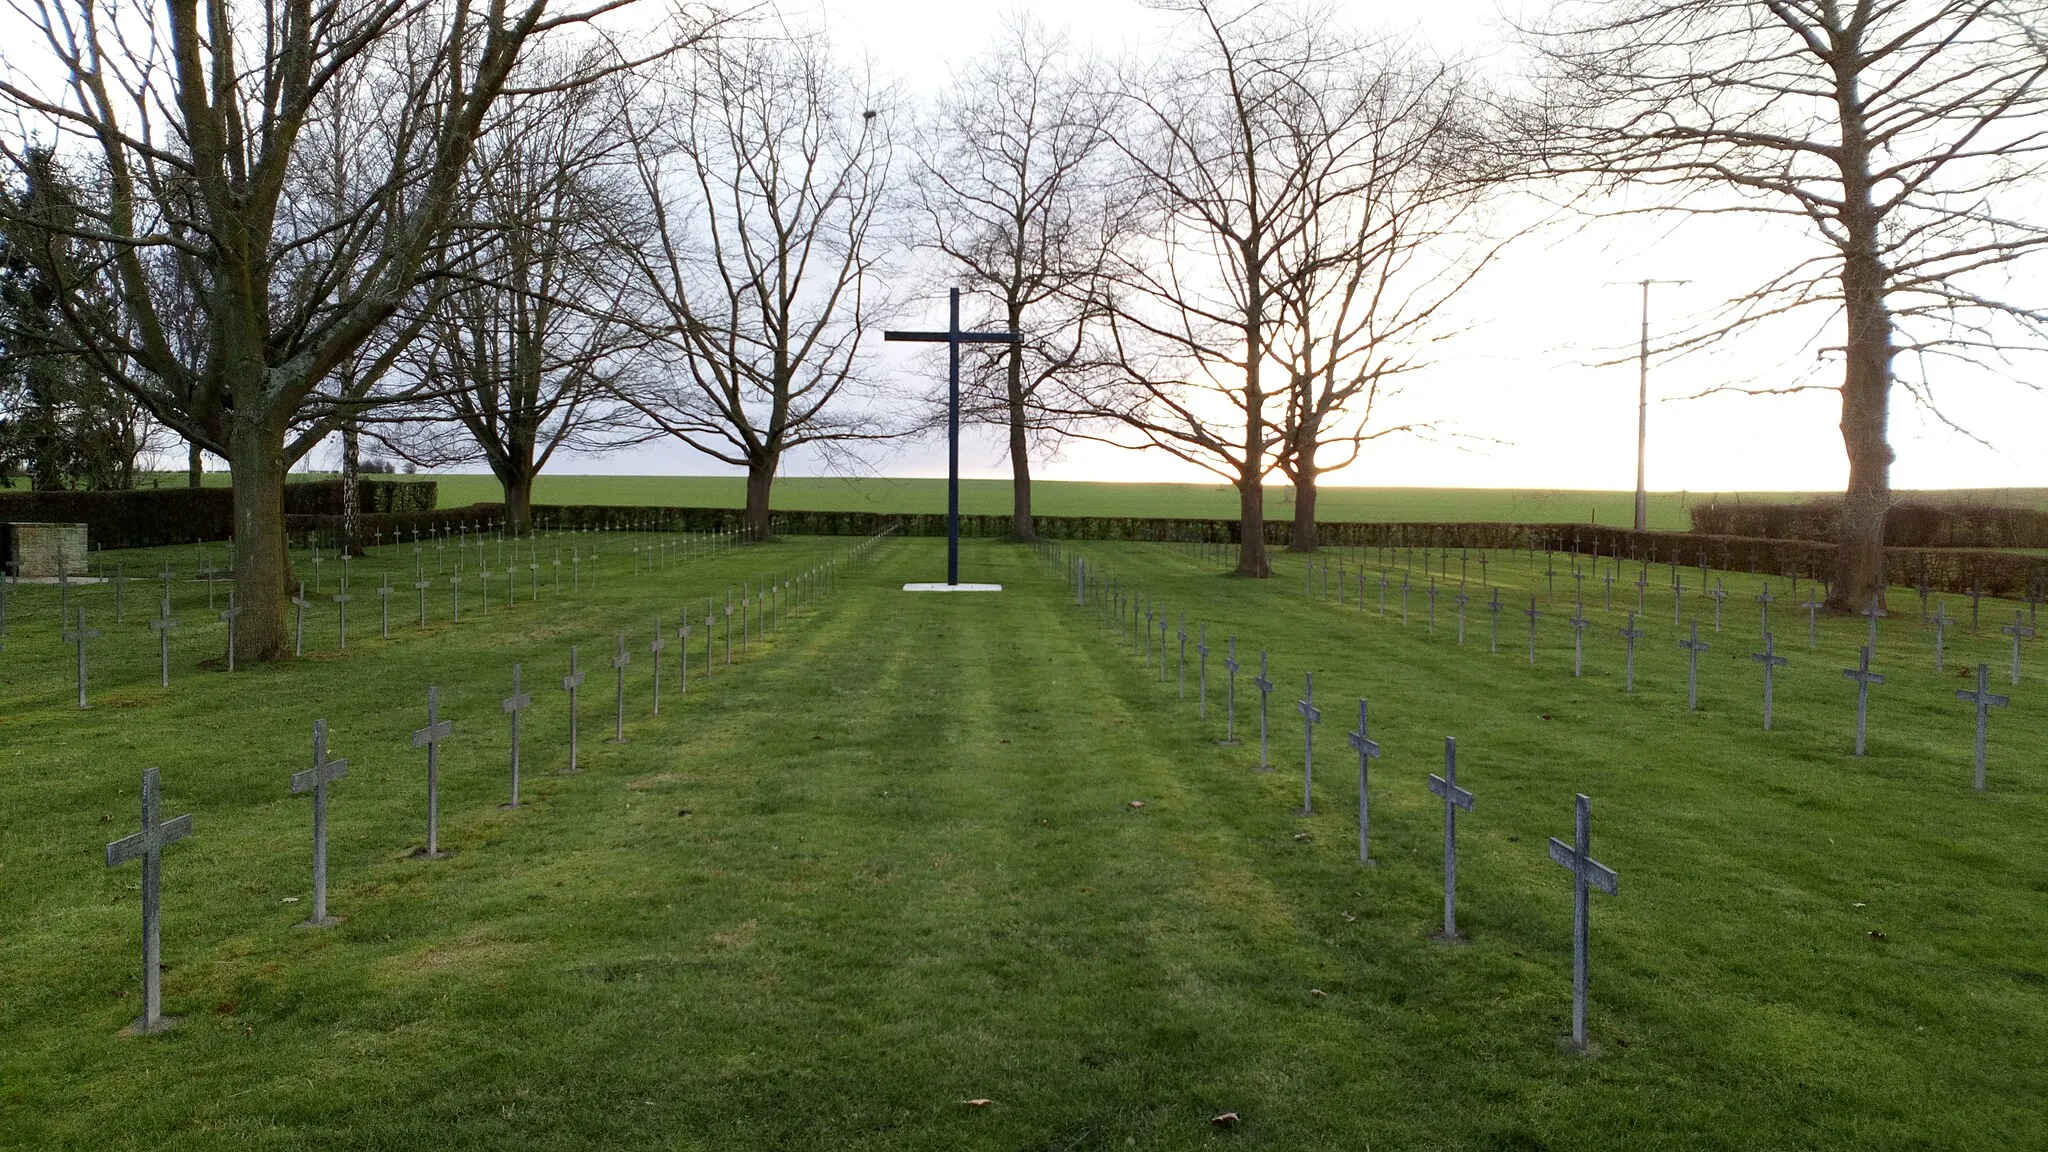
1317	992
1349	918
1227	1120
979	1103
1137	803
289	900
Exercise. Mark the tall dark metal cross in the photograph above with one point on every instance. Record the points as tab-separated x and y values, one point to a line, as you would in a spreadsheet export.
953	338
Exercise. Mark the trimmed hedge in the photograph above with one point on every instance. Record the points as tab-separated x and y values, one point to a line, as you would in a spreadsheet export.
154	517
1906	525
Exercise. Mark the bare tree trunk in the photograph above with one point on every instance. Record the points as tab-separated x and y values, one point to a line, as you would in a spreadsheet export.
1303	536
1866	406
351	496
261	567
518	501
193	473
1251	530
760	479
1022	526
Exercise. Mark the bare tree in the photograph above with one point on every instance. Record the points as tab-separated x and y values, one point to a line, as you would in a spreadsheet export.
1011	188
1232	144
1906	137
764	166
202	114
527	352
1394	235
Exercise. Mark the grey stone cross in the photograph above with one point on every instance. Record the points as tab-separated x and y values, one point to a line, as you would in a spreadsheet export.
1265	686
229	616
1587	873
1864	678
1941	620
1532	614
341	603
1677	597
299	606
430	738
1432	606
315	780
1404	598
1608	580
513	705
1383	593
570	683
1578	623
1231	666
2018	632
683	654
654	649
78	637
1310	717
1813	604
164	622
1693	647
1631	634
148	845
455	592
1165	626
1770	659
1764	600
1923	590
384	607
1985	700
1202	657
1642	588
1718	595
1493	638
1875	610
317	561
1455	798
419	585
1368	751
1461	599
1183	655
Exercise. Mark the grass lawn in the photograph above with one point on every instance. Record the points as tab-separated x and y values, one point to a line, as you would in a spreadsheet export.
910	876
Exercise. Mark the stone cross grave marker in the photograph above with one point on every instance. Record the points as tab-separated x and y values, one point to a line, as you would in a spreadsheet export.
419	585
1202	657
148	846
1631	634
1432	605
455	592
384	607
1404	598
1265	686
1875	610
1864	678
1532	614
519	701
683	654
728	627
1455	798
164	622
1368	751
1578	622
341	603
1230	665
315	780
430	738
1493	638
1587	873
1985	700
1642	588
1608	580
1976	597
1165	626
1923	590
1383	593
654	649
299	606
1718	595
1941	620
317	561
1813	604
1677	598
78	637
1693	647
1770	659
1764	600
2018	632
1461	599
570	684
1183	655
1310	717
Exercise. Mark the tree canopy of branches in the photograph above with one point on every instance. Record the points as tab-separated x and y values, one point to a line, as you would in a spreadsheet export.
1012	190
1250	146
216	125
526	353
764	165
1906	138
62	424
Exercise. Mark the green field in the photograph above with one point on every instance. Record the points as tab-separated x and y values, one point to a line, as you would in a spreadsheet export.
911	876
